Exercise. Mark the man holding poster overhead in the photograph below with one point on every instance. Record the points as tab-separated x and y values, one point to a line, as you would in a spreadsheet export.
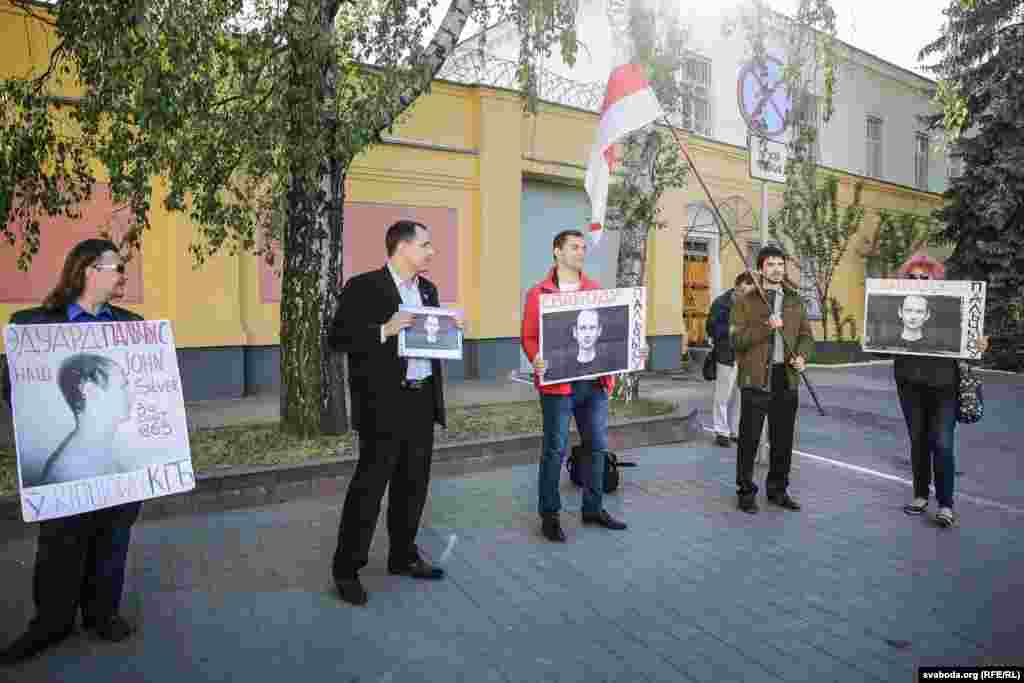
585	400
80	559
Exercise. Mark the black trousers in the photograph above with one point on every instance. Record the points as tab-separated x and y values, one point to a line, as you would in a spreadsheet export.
779	405
400	461
80	563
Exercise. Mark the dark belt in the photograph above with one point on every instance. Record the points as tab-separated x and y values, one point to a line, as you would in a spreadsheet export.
416	384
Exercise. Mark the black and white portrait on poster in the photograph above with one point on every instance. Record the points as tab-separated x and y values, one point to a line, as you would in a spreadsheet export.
99	417
924	317
591	333
433	334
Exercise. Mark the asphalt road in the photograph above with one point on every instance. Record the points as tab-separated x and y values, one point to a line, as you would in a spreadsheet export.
864	426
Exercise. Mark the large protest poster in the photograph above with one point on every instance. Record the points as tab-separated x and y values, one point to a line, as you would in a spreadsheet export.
924	317
99	417
591	333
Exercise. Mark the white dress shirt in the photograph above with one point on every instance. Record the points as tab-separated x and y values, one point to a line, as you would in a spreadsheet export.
419	368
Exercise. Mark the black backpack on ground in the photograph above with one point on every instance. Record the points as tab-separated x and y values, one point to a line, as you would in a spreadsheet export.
612	477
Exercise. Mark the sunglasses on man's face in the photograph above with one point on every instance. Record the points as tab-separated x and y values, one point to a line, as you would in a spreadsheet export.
918	276
119	267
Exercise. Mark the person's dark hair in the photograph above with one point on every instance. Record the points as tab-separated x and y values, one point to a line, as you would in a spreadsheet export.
768	251
72	276
77	370
400	231
563	237
744	278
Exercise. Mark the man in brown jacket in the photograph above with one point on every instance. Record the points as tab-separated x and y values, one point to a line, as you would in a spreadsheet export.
772	346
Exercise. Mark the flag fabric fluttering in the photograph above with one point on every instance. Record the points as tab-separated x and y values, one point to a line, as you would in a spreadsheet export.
629	104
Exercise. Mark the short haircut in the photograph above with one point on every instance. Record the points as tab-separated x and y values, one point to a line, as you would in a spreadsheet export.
77	370
744	278
927	304
769	251
400	231
563	237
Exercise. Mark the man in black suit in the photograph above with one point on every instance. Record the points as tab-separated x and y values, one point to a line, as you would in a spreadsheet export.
80	559
395	403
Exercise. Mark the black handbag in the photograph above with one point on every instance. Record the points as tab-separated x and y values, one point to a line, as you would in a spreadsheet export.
970	402
612	477
710	366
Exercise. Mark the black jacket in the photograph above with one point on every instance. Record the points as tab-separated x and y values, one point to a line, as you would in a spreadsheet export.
717	328
42	315
930	371
376	370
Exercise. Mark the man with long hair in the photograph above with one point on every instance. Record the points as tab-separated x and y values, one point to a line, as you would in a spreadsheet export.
80	559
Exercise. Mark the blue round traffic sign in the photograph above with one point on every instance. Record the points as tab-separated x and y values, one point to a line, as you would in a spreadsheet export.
763	98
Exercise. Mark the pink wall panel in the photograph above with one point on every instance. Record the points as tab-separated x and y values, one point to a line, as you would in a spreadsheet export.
58	236
363	245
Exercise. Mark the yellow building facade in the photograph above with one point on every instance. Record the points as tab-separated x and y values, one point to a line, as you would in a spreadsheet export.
508	181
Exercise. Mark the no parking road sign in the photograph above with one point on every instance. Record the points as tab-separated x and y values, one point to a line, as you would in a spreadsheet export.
763	100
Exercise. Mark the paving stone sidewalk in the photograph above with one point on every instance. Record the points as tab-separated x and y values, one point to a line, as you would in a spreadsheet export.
851	589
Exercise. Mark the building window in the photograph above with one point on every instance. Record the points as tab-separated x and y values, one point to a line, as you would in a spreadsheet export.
921	144
695	77
955	165
874	147
809	289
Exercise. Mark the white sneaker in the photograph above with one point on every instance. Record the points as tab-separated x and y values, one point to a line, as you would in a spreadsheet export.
916	507
945	517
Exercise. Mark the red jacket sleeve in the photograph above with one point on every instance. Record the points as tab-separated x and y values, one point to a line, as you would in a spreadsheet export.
529	336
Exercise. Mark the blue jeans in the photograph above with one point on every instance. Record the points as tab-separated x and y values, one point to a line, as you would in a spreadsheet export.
930	415
588	404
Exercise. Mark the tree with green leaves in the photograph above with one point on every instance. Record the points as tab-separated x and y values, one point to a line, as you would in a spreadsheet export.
653	36
979	61
816	229
250	113
899	235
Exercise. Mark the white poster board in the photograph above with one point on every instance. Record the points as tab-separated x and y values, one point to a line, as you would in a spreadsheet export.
924	317
99	417
434	333
592	333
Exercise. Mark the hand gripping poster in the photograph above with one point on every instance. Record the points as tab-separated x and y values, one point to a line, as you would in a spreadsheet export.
592	332
99	417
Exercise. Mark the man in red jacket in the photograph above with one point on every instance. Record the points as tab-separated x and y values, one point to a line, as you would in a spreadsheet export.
586	400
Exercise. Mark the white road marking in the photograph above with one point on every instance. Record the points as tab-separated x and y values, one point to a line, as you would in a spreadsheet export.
985	502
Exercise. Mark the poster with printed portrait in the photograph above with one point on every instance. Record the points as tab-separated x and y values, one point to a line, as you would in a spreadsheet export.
592	333
434	333
924	317
99	416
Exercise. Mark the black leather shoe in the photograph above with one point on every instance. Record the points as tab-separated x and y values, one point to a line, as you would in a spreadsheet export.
602	518
351	591
417	569
32	642
784	500
748	504
551	527
113	628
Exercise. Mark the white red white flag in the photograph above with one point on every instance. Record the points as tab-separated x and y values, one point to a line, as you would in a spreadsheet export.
629	104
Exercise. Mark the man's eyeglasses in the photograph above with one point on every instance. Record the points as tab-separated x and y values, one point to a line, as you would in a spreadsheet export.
119	267
918	276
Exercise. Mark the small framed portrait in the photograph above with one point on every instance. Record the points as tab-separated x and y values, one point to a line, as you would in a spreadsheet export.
591	333
434	333
924	317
